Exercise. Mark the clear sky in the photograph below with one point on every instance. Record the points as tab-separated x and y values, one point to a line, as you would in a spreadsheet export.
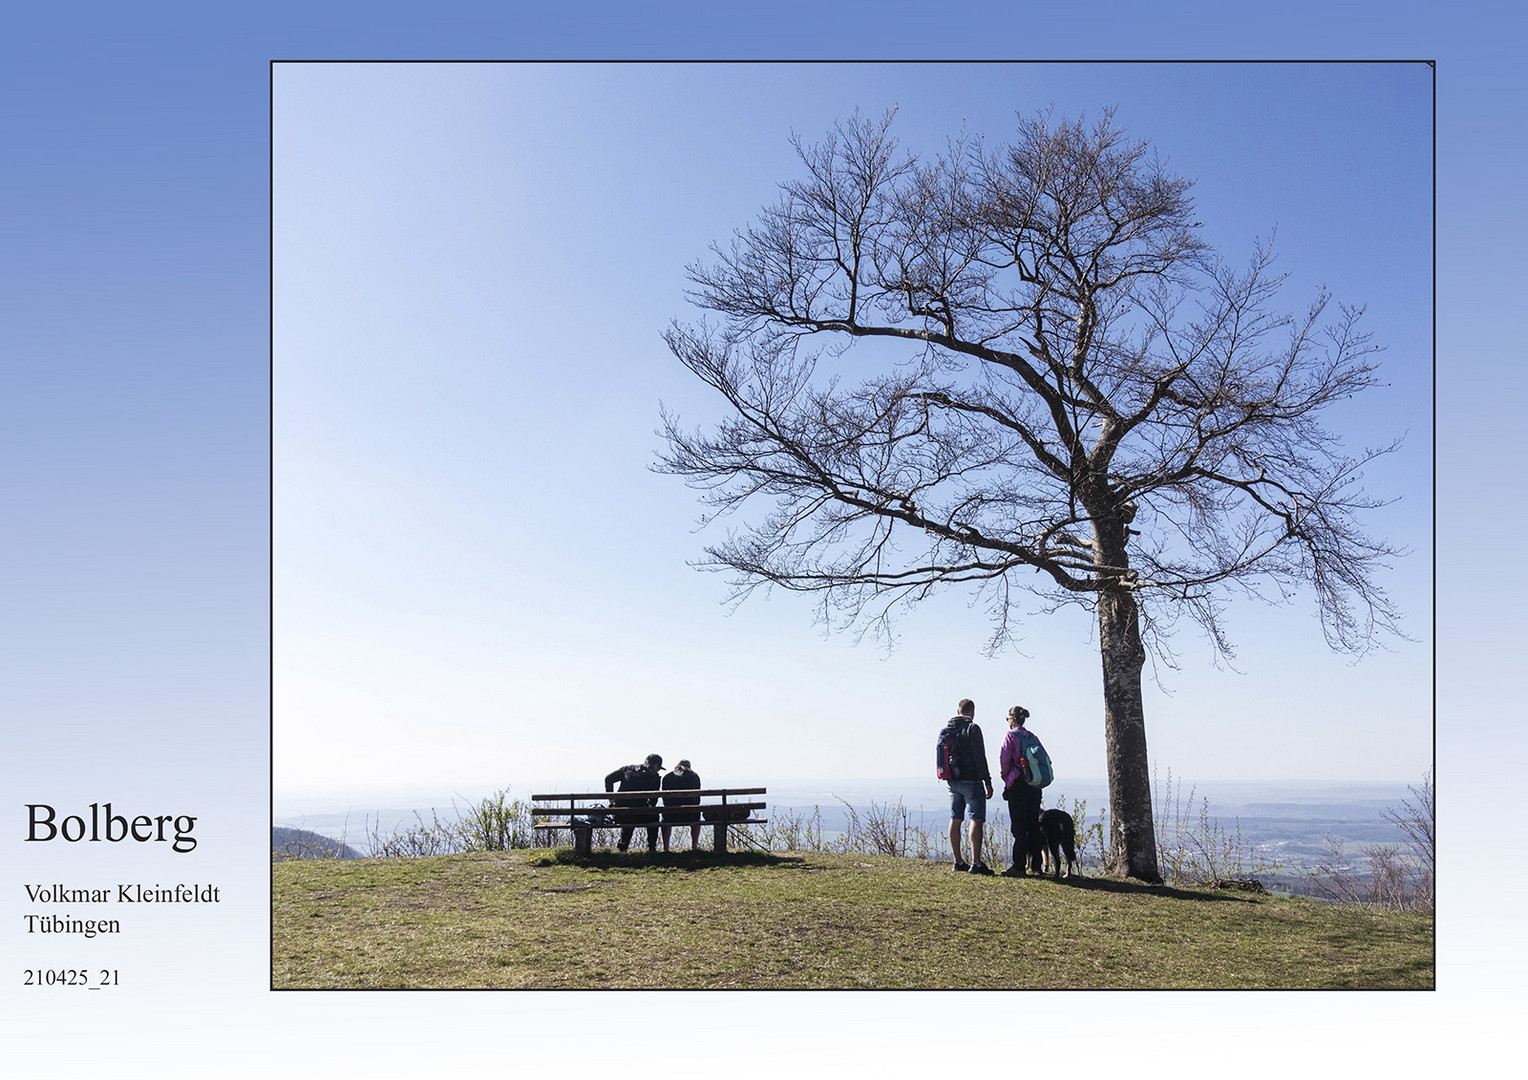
448	593
479	580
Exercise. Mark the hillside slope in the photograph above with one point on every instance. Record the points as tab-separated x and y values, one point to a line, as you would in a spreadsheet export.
290	843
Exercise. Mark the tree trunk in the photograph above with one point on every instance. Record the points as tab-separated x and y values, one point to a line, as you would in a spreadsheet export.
1133	840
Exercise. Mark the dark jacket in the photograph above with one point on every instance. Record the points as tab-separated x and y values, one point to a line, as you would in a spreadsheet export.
687	781
633	778
976	749
689	805
632	811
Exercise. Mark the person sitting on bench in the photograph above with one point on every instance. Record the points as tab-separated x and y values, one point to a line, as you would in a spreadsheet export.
682	809
630	813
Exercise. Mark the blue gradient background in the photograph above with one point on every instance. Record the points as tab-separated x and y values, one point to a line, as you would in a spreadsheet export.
134	662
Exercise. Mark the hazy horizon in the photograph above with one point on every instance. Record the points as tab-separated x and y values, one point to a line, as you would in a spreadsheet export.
290	803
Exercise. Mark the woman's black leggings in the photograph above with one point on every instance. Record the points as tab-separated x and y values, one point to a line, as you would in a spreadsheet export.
1024	819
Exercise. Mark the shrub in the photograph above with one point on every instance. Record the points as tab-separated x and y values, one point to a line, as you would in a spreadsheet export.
1401	876
1196	849
495	823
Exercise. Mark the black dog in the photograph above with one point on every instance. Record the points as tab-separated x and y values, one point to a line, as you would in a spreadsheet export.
1057	836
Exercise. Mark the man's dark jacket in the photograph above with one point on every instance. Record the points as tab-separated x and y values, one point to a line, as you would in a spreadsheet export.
634	778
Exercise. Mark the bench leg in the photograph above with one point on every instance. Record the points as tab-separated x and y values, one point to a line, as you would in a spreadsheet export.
719	839
582	844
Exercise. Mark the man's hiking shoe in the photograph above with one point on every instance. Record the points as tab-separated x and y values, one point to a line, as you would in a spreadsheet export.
981	868
961	868
1014	871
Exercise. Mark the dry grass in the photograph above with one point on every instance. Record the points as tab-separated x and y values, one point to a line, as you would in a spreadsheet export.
545	919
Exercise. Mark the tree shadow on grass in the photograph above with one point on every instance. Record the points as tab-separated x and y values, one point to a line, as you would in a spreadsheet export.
1126	886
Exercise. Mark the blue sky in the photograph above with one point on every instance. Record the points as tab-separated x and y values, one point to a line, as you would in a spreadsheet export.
478	578
137	443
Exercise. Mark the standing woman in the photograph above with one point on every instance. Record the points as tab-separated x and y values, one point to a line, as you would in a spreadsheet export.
1023	800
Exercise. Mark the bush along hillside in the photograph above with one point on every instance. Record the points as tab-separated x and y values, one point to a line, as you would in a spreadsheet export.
546	918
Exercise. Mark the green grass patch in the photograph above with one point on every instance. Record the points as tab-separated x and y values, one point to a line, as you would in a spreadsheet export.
813	919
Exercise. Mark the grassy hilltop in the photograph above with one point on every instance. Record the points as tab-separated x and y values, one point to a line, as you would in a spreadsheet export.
812	919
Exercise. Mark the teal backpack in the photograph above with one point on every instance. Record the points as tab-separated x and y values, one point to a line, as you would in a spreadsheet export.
1040	771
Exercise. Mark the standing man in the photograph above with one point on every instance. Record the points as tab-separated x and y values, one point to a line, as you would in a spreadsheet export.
681	809
970	783
632	812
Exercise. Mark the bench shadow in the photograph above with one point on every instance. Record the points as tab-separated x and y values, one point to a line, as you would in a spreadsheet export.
607	859
610	859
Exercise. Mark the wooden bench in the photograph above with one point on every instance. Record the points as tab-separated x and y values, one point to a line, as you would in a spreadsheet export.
613	806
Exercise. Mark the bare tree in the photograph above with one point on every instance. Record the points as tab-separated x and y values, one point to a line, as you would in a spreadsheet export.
1066	394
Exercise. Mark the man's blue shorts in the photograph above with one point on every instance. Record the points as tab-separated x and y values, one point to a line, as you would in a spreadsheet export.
964	792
